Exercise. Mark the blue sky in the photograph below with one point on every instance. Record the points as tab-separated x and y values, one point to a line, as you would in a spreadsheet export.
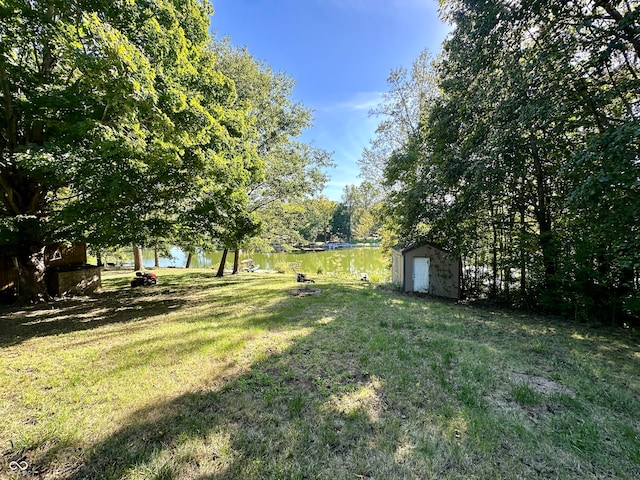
340	53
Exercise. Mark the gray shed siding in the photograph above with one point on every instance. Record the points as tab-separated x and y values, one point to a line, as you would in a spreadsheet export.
397	268
444	270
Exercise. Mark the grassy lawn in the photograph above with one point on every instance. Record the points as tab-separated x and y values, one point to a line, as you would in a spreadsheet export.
256	376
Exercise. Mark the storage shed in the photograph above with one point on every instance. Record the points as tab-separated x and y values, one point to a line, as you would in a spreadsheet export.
425	268
67	272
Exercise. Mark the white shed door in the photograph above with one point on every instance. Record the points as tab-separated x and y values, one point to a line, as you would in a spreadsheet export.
421	274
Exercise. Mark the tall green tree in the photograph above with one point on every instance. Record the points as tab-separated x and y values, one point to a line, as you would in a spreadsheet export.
358	213
112	122
411	90
528	162
317	218
292	170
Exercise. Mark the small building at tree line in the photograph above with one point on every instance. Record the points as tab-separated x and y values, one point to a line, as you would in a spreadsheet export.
426	268
67	272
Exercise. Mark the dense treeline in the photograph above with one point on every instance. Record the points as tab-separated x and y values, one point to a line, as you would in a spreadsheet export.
527	160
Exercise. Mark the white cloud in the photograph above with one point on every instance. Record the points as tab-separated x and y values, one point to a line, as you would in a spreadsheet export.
359	101
344	127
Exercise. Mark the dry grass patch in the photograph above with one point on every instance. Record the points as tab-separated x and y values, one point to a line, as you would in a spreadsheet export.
540	384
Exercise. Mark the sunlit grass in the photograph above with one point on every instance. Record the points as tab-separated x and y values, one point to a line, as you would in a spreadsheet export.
251	377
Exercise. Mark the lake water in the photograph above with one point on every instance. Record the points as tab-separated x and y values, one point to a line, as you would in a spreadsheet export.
351	261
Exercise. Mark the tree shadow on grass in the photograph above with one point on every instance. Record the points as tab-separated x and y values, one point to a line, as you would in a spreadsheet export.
118	304
271	410
400	391
299	413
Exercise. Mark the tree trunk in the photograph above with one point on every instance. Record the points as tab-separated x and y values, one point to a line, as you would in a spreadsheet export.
523	254
223	261
494	253
546	240
188	264
138	264
32	285
236	261
464	280
156	259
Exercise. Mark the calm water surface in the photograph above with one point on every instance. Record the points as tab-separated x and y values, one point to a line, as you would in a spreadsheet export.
353	261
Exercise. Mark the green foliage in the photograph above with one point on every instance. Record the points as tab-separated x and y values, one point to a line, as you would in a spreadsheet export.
341	222
527	161
358	214
317	218
115	126
411	91
292	170
126	123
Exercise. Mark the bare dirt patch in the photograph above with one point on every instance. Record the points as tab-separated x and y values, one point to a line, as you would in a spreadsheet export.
540	384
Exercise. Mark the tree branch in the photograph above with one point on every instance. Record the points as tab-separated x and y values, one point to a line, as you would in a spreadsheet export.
632	34
10	118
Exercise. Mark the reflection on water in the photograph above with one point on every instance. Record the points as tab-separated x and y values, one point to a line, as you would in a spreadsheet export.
348	261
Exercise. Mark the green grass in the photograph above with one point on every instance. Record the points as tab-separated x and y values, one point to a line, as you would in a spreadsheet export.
249	377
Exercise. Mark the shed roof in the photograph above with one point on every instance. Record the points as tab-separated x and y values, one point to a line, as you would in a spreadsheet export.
415	245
